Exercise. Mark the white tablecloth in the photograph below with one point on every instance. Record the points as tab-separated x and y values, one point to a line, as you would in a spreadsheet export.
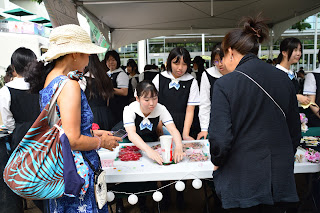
147	170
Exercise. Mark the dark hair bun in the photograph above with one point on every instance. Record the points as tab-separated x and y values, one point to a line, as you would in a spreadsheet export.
256	26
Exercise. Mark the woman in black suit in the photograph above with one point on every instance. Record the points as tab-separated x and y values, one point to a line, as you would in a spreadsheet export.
253	135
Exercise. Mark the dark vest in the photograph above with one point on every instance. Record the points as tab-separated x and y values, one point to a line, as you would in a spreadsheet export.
175	101
296	85
212	80
146	134
147	75
25	109
117	103
131	91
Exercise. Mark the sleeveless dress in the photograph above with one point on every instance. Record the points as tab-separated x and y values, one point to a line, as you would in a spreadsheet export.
86	203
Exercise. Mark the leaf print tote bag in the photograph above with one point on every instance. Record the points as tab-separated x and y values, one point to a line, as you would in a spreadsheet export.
42	166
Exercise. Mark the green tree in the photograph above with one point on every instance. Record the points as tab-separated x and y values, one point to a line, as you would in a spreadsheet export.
301	25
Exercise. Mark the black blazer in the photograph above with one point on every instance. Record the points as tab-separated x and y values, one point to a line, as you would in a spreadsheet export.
251	141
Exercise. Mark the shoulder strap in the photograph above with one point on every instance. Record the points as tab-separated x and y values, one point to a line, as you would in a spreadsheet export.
90	164
52	114
263	91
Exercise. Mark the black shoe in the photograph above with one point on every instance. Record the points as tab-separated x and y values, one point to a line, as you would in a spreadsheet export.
180	201
119	206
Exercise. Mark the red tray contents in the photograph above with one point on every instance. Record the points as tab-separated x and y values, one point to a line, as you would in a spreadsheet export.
129	153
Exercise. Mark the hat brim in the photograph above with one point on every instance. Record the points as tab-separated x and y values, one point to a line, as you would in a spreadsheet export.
60	50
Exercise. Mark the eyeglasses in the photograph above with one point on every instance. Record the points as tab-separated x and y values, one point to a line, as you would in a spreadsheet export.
217	62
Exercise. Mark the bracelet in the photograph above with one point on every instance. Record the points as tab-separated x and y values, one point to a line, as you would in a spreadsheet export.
99	143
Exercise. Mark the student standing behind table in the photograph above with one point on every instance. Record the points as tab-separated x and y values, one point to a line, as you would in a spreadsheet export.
150	71
142	117
132	69
19	109
99	90
208	79
290	53
253	139
120	81
178	90
312	91
198	68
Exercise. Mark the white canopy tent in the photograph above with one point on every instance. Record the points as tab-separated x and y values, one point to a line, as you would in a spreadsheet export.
130	21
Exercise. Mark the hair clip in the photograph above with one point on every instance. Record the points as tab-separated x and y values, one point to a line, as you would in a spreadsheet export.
257	32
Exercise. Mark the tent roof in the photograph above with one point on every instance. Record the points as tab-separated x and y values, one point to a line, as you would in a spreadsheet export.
18	12
11	19
131	20
40	20
48	25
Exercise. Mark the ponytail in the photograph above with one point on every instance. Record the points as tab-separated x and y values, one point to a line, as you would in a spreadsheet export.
36	74
279	58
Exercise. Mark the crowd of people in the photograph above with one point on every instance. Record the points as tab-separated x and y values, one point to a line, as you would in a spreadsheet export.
246	108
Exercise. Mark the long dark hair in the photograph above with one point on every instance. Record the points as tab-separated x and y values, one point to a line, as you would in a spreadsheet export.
37	74
246	39
288	45
200	62
177	53
133	64
103	82
20	58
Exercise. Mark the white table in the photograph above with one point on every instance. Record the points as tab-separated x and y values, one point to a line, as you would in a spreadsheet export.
145	169
305	167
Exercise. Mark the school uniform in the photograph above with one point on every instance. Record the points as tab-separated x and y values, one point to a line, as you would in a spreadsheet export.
311	85
176	94
148	75
133	82
208	79
146	127
119	80
291	76
19	108
197	75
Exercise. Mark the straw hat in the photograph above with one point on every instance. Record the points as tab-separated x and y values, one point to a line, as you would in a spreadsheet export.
70	38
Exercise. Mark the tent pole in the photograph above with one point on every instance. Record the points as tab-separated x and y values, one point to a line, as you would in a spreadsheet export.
203	44
315	41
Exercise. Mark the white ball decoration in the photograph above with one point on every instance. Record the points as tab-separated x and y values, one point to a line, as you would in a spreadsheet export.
157	196
133	199
180	186
197	183
110	196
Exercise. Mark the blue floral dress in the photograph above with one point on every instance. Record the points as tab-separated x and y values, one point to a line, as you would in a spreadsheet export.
78	204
